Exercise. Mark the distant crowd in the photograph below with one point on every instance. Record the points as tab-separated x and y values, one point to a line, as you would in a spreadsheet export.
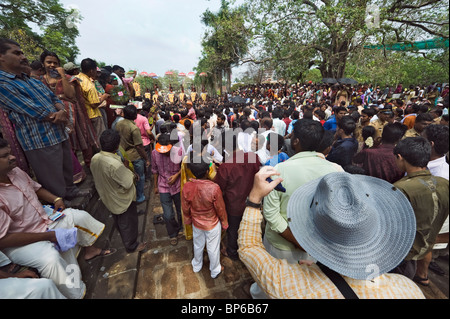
209	159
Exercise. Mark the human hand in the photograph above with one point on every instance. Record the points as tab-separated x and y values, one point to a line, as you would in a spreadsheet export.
26	274
61	71
261	187
59	117
59	205
172	179
65	238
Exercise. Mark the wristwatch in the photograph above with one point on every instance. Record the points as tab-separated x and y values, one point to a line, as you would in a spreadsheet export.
251	204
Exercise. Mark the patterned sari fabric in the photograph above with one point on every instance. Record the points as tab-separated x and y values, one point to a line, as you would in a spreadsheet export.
83	134
9	134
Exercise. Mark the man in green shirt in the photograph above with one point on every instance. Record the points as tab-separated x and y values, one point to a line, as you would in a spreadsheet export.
305	166
131	142
115	184
429	197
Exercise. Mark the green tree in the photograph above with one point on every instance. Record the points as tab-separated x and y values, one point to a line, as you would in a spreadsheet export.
225	41
325	33
20	20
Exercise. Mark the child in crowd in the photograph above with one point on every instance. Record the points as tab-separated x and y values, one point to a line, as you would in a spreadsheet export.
203	207
275	143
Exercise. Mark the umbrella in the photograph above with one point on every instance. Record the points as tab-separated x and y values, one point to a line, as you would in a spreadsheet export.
169	73
152	75
144	73
181	74
191	73
203	74
329	80
238	100
348	81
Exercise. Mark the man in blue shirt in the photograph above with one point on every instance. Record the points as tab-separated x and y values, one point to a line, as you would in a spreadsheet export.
345	147
331	124
39	118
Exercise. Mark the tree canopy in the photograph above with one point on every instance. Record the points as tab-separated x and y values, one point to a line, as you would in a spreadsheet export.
294	37
39	25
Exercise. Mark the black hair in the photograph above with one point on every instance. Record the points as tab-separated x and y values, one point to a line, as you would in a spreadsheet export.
439	135
424	117
36	65
3	143
5	44
415	150
309	133
326	142
339	109
275	138
110	140
88	65
116	67
130	112
47	53
437	110
368	131
347	124
197	165
353	169
370	112
393	132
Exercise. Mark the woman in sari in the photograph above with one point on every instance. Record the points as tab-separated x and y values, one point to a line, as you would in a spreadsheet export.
81	135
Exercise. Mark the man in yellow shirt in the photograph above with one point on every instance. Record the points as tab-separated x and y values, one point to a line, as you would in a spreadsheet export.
92	100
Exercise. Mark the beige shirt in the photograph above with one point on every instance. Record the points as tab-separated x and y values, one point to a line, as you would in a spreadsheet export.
113	181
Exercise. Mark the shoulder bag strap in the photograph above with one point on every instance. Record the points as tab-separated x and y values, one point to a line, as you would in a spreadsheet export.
340	283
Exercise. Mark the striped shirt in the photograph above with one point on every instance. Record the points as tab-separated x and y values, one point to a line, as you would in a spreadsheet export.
281	280
28	102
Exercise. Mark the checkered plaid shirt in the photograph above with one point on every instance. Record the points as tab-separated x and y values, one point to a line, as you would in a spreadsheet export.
281	280
28	102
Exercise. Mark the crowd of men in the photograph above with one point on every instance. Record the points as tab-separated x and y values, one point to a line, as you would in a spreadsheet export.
209	159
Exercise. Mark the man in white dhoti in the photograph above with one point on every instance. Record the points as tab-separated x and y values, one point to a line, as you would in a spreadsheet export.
29	236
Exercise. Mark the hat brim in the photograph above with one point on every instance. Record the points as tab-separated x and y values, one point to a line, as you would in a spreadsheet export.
163	148
386	249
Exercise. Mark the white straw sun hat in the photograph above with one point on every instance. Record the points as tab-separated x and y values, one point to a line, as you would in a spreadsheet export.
356	225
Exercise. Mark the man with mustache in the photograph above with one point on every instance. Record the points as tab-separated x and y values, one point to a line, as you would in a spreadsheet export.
39	118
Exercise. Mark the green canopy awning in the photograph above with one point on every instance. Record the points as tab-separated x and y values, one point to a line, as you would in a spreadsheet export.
438	43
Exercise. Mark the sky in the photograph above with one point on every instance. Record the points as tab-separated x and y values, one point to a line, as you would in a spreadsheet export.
143	35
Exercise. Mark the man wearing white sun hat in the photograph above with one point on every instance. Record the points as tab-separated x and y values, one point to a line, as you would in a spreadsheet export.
341	221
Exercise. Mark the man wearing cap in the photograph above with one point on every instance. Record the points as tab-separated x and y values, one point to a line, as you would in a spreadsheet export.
71	68
351	260
191	112
166	169
382	121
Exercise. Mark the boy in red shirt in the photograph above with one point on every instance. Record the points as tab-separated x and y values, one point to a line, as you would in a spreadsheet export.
203	207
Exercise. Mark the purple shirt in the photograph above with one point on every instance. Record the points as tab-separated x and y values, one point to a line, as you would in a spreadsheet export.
166	166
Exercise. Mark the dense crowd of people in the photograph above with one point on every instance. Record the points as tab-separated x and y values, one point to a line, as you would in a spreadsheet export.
350	166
